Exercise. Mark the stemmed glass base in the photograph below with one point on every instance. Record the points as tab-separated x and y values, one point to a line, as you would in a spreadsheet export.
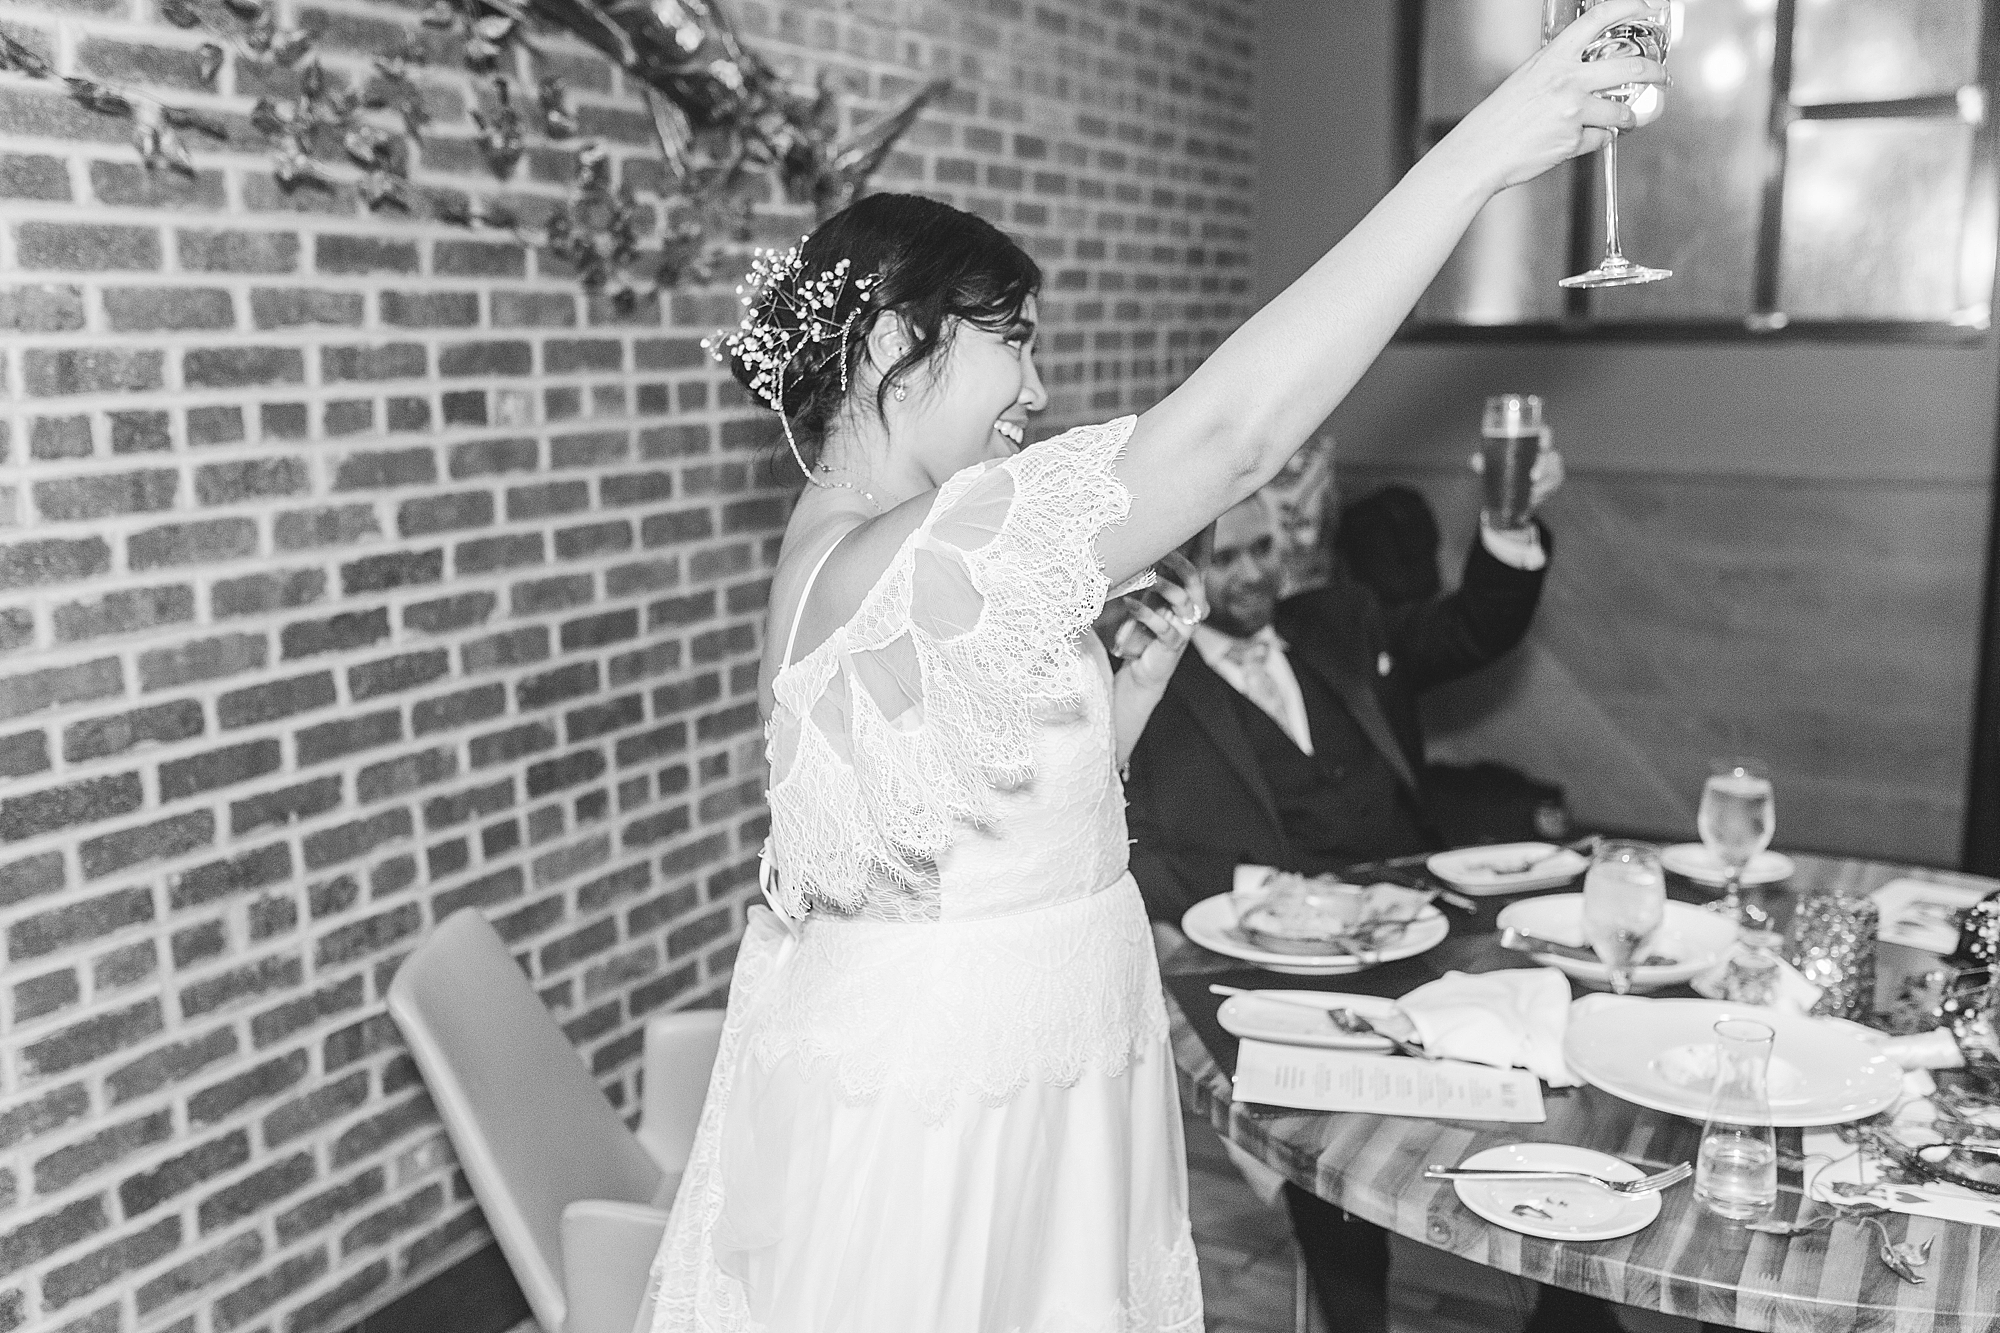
1616	271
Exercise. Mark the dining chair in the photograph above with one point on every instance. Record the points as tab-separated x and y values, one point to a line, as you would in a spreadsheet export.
577	1201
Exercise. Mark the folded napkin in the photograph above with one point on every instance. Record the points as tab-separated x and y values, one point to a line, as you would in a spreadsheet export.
1512	1018
1793	993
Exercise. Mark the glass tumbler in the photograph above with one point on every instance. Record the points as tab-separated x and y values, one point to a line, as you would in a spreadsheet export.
1736	1172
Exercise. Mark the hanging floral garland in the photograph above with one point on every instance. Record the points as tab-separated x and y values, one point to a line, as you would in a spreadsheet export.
728	126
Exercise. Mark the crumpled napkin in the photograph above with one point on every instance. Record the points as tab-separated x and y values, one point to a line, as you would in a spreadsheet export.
1512	1018
1793	993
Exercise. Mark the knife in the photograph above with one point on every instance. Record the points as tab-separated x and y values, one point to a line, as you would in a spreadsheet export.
1515	938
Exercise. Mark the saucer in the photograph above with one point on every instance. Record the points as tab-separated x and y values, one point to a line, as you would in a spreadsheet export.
1481	871
1263	1019
1578	1210
1702	866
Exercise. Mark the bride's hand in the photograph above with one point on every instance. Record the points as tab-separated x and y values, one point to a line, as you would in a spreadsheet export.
1549	110
1171	632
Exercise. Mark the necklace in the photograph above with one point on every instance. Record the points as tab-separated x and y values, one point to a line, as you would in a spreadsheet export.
818	473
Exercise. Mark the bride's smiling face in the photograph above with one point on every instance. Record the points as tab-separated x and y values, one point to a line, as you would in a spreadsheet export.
975	405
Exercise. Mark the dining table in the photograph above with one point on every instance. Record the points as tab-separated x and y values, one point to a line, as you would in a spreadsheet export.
1689	1262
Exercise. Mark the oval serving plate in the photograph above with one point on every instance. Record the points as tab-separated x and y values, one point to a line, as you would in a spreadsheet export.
1696	939
1211	923
1824	1071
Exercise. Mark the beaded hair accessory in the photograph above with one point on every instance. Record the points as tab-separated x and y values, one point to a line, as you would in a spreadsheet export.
785	318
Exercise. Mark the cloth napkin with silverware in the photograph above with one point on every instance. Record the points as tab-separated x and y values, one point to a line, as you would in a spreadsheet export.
1515	1018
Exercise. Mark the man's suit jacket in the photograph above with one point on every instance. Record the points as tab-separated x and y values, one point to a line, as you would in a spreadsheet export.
1198	803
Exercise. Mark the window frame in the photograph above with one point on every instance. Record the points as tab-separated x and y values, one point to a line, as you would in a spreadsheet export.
1766	323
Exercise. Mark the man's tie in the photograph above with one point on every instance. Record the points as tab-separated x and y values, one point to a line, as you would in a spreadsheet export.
1252	657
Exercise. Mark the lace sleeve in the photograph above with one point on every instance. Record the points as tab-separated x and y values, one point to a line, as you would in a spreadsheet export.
909	717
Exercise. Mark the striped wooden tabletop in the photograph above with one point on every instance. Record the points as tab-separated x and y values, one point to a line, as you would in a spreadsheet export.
1688	1262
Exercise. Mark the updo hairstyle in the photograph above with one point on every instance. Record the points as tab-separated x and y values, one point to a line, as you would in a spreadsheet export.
934	264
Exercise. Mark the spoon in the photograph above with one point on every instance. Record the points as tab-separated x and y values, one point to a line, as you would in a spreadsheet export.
1349	1021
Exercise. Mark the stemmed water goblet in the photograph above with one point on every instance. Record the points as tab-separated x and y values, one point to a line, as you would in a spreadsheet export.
1646	36
1738	815
1624	898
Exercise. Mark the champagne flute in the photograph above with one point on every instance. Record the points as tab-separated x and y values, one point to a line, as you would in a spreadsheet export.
1646	36
1624	898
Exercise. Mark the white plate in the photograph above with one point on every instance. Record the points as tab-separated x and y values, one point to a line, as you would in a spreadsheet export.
1824	1071
1476	870
1694	938
1211	923
1700	865
1294	1025
1579	1209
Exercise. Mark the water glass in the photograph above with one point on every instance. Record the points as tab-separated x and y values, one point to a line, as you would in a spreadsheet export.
1738	815
1624	898
1736	1171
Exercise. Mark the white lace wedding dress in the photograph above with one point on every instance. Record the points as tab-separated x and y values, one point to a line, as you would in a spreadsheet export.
944	1101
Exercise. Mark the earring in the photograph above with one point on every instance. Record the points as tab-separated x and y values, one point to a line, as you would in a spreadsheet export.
901	393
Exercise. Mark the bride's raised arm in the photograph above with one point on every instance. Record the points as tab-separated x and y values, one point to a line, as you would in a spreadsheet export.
1230	426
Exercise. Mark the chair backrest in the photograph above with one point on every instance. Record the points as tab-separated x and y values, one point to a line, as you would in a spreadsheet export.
680	1056
531	1128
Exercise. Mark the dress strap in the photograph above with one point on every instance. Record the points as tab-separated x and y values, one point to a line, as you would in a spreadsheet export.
799	612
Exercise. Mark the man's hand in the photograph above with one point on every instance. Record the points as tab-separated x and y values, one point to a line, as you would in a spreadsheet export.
1545	478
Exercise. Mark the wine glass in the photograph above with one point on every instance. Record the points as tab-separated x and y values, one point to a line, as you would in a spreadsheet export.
1624	897
1738	815
1647	36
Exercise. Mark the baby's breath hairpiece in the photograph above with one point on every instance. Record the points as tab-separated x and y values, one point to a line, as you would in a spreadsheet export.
783	318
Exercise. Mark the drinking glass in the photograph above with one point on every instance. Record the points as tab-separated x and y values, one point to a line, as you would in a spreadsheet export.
1738	815
1647	36
1624	897
1736	1170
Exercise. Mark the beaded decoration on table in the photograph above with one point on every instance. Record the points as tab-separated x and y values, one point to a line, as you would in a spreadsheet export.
768	345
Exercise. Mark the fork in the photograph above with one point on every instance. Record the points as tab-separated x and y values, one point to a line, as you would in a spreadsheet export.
1659	1180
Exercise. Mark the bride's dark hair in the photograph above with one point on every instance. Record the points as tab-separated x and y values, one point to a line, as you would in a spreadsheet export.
933	264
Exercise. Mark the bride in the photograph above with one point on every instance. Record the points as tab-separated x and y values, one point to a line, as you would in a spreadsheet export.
944	1100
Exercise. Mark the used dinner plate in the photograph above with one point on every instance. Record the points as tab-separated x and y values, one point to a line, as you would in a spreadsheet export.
1577	1209
1661	1054
1265	1019
1211	923
1508	867
1700	865
1695	938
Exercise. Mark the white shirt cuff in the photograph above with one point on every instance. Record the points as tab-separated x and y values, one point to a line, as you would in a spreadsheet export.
1521	549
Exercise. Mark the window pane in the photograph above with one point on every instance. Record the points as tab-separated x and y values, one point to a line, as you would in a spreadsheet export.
1874	211
1505	270
1872	50
1469	47
1691	184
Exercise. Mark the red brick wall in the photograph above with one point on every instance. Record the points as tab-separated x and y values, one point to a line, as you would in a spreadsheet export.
354	570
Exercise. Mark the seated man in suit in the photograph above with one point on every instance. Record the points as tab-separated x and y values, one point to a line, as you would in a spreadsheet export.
1290	737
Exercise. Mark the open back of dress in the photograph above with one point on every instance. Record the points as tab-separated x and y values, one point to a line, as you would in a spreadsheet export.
944	1099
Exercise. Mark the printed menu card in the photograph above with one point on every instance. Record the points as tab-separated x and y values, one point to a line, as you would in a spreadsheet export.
1321	1080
